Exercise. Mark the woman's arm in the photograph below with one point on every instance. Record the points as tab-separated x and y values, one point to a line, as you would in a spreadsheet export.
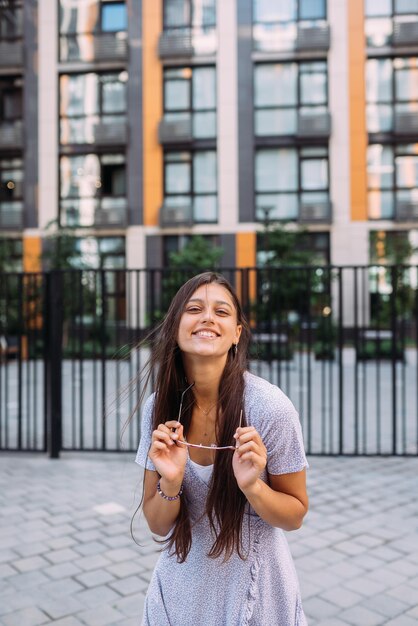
160	514
284	501
170	462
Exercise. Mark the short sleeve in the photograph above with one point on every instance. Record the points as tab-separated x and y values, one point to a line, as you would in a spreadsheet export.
145	440
283	438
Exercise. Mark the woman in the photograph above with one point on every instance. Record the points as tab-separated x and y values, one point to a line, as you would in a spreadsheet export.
224	472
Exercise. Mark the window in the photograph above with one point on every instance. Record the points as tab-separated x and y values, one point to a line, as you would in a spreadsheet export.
194	19
92	187
316	243
190	94
190	179
102	252
200	14
88	101
285	90
113	17
392	180
11	20
11	99
275	23
287	178
392	92
11	255
11	192
93	31
383	15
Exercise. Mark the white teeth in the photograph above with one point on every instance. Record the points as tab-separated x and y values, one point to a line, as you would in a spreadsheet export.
202	333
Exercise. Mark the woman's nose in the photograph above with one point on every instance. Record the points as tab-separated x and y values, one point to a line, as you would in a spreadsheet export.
207	315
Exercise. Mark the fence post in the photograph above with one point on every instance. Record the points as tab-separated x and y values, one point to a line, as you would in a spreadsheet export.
53	395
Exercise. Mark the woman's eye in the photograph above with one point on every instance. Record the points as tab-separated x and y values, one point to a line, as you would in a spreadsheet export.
222	312
192	309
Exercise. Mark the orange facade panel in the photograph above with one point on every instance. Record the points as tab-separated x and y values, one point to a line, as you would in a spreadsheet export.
357	107
152	111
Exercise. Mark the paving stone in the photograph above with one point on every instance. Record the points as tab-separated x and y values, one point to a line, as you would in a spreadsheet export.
91	547
62	607
92	562
358	615
125	569
68	621
100	616
95	578
128	586
97	596
341	596
385	604
6	571
26	617
61	556
30	563
317	607
402	620
62	570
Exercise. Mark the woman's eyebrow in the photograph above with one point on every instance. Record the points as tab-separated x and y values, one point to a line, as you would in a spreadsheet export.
218	302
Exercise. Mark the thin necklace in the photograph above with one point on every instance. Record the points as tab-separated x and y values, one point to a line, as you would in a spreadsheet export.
205	413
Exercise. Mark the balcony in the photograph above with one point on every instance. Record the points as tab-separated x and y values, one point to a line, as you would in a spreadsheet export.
313	36
406	211
173	216
405	31
91	47
11	218
110	134
406	122
11	53
187	42
315	212
11	134
175	131
314	124
112	217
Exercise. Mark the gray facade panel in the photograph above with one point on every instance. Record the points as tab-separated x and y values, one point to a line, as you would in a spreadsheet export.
245	112
134	148
154	251
30	113
227	243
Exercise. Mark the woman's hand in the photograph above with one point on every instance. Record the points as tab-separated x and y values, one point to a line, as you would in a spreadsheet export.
250	457
169	459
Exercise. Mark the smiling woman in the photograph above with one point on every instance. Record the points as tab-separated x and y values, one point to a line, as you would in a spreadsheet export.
224	472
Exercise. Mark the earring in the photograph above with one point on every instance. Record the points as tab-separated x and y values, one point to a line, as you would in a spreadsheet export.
235	349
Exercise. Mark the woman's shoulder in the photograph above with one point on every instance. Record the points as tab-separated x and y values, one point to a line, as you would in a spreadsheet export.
263	397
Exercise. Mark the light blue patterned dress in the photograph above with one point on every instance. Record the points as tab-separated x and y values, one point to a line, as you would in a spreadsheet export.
263	589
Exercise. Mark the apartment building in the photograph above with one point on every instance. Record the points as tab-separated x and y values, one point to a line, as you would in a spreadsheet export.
138	124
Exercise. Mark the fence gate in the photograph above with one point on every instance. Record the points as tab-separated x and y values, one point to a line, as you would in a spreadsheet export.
340	341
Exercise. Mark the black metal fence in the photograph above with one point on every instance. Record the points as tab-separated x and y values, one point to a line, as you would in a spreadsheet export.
340	341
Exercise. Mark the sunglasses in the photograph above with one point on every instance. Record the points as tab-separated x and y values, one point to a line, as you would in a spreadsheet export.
212	446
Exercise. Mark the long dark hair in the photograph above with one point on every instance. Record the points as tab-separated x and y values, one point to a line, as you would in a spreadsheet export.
225	503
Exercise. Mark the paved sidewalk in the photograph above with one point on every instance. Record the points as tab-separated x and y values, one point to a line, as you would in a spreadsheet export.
67	558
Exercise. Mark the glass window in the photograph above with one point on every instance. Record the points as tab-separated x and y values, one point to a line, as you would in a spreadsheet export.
190	179
379	80
312	9
282	89
11	20
190	96
276	84
204	172
113	94
378	8
204	12
314	174
114	17
406	6
406	79
276	170
176	13
407	171
280	10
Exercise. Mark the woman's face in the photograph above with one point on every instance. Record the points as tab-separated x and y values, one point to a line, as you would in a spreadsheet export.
208	326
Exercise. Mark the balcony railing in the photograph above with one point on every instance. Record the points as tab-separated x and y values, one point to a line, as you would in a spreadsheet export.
89	47
173	131
11	53
11	134
406	122
100	130
113	217
315	212
172	216
405	31
313	36
187	42
406	211
11	219
115	133
314	124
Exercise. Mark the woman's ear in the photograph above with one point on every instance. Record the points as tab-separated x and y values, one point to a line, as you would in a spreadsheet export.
238	333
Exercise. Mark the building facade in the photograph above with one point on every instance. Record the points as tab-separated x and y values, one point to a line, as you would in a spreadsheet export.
139	123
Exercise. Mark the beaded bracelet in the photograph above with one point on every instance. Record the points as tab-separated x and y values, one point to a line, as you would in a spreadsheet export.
162	494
